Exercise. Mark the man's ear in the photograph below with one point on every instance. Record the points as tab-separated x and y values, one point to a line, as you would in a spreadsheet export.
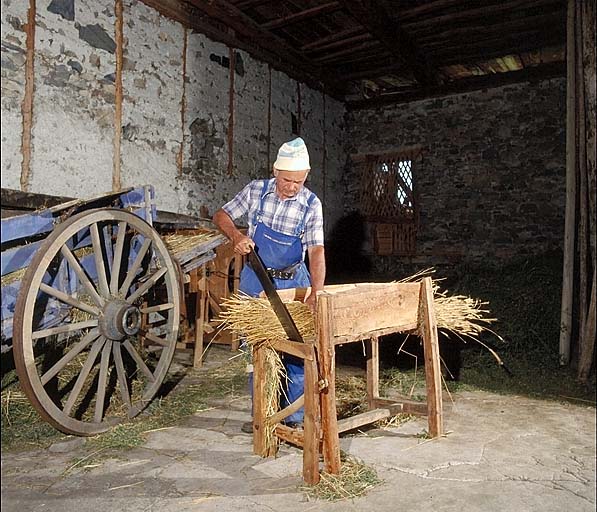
275	172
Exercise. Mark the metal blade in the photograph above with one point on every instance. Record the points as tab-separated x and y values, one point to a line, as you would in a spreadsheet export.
270	291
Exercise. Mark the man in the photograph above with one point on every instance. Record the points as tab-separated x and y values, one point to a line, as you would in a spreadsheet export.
285	222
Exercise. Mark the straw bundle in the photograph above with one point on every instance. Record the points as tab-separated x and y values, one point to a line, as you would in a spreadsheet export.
179	243
255	320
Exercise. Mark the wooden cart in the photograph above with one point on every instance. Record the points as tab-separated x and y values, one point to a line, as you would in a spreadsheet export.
90	305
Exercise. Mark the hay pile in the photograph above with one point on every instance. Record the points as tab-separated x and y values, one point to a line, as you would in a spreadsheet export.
354	480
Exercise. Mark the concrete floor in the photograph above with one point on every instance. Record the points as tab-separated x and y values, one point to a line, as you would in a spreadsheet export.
500	453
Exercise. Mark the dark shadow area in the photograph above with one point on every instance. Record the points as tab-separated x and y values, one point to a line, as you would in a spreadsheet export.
346	261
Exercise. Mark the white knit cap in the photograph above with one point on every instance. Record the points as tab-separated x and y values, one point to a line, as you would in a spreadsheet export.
293	156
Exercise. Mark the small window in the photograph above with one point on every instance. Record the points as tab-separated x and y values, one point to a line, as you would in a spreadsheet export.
388	201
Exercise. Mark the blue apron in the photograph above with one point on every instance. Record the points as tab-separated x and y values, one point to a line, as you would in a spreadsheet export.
280	251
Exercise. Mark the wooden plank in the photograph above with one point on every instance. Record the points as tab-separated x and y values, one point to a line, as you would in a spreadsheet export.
428	331
202	260
372	371
327	368
364	310
401	406
287	411
365	418
294	348
290	435
340	340
22	226
28	200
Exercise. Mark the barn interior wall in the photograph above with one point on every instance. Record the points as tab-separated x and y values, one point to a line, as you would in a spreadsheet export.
491	181
175	123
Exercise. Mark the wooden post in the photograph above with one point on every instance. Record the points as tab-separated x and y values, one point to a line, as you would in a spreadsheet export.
311	421
569	220
327	365
200	319
428	330
27	103
118	95
372	372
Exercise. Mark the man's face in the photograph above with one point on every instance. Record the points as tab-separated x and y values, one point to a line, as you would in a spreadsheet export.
288	183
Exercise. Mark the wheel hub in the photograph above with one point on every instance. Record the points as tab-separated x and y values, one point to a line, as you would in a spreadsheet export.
120	320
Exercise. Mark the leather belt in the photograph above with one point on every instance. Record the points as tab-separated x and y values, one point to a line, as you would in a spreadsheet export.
283	273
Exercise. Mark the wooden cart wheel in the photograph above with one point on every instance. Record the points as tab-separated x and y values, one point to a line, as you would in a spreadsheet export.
96	321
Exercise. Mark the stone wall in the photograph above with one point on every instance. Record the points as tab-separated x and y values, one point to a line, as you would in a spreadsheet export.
491	182
175	109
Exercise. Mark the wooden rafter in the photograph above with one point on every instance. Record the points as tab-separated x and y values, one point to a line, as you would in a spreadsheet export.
484	12
301	16
333	38
372	15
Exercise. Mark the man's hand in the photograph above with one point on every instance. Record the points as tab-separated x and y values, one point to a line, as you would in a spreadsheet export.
243	244
311	300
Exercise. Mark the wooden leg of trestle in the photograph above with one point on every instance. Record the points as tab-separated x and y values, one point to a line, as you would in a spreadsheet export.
372	372
327	366
259	441
311	422
428	331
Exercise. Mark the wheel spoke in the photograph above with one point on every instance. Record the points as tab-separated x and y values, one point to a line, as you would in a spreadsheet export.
66	252
89	362
64	329
140	363
132	272
146	285
121	374
156	309
69	356
102	381
67	299
116	262
99	260
156	339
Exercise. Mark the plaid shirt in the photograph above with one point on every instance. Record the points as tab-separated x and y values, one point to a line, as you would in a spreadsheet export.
282	215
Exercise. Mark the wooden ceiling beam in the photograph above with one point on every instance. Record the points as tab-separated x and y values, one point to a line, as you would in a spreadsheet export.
480	13
538	73
378	21
301	16
426	8
483	31
332	38
372	71
342	42
244	4
330	57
